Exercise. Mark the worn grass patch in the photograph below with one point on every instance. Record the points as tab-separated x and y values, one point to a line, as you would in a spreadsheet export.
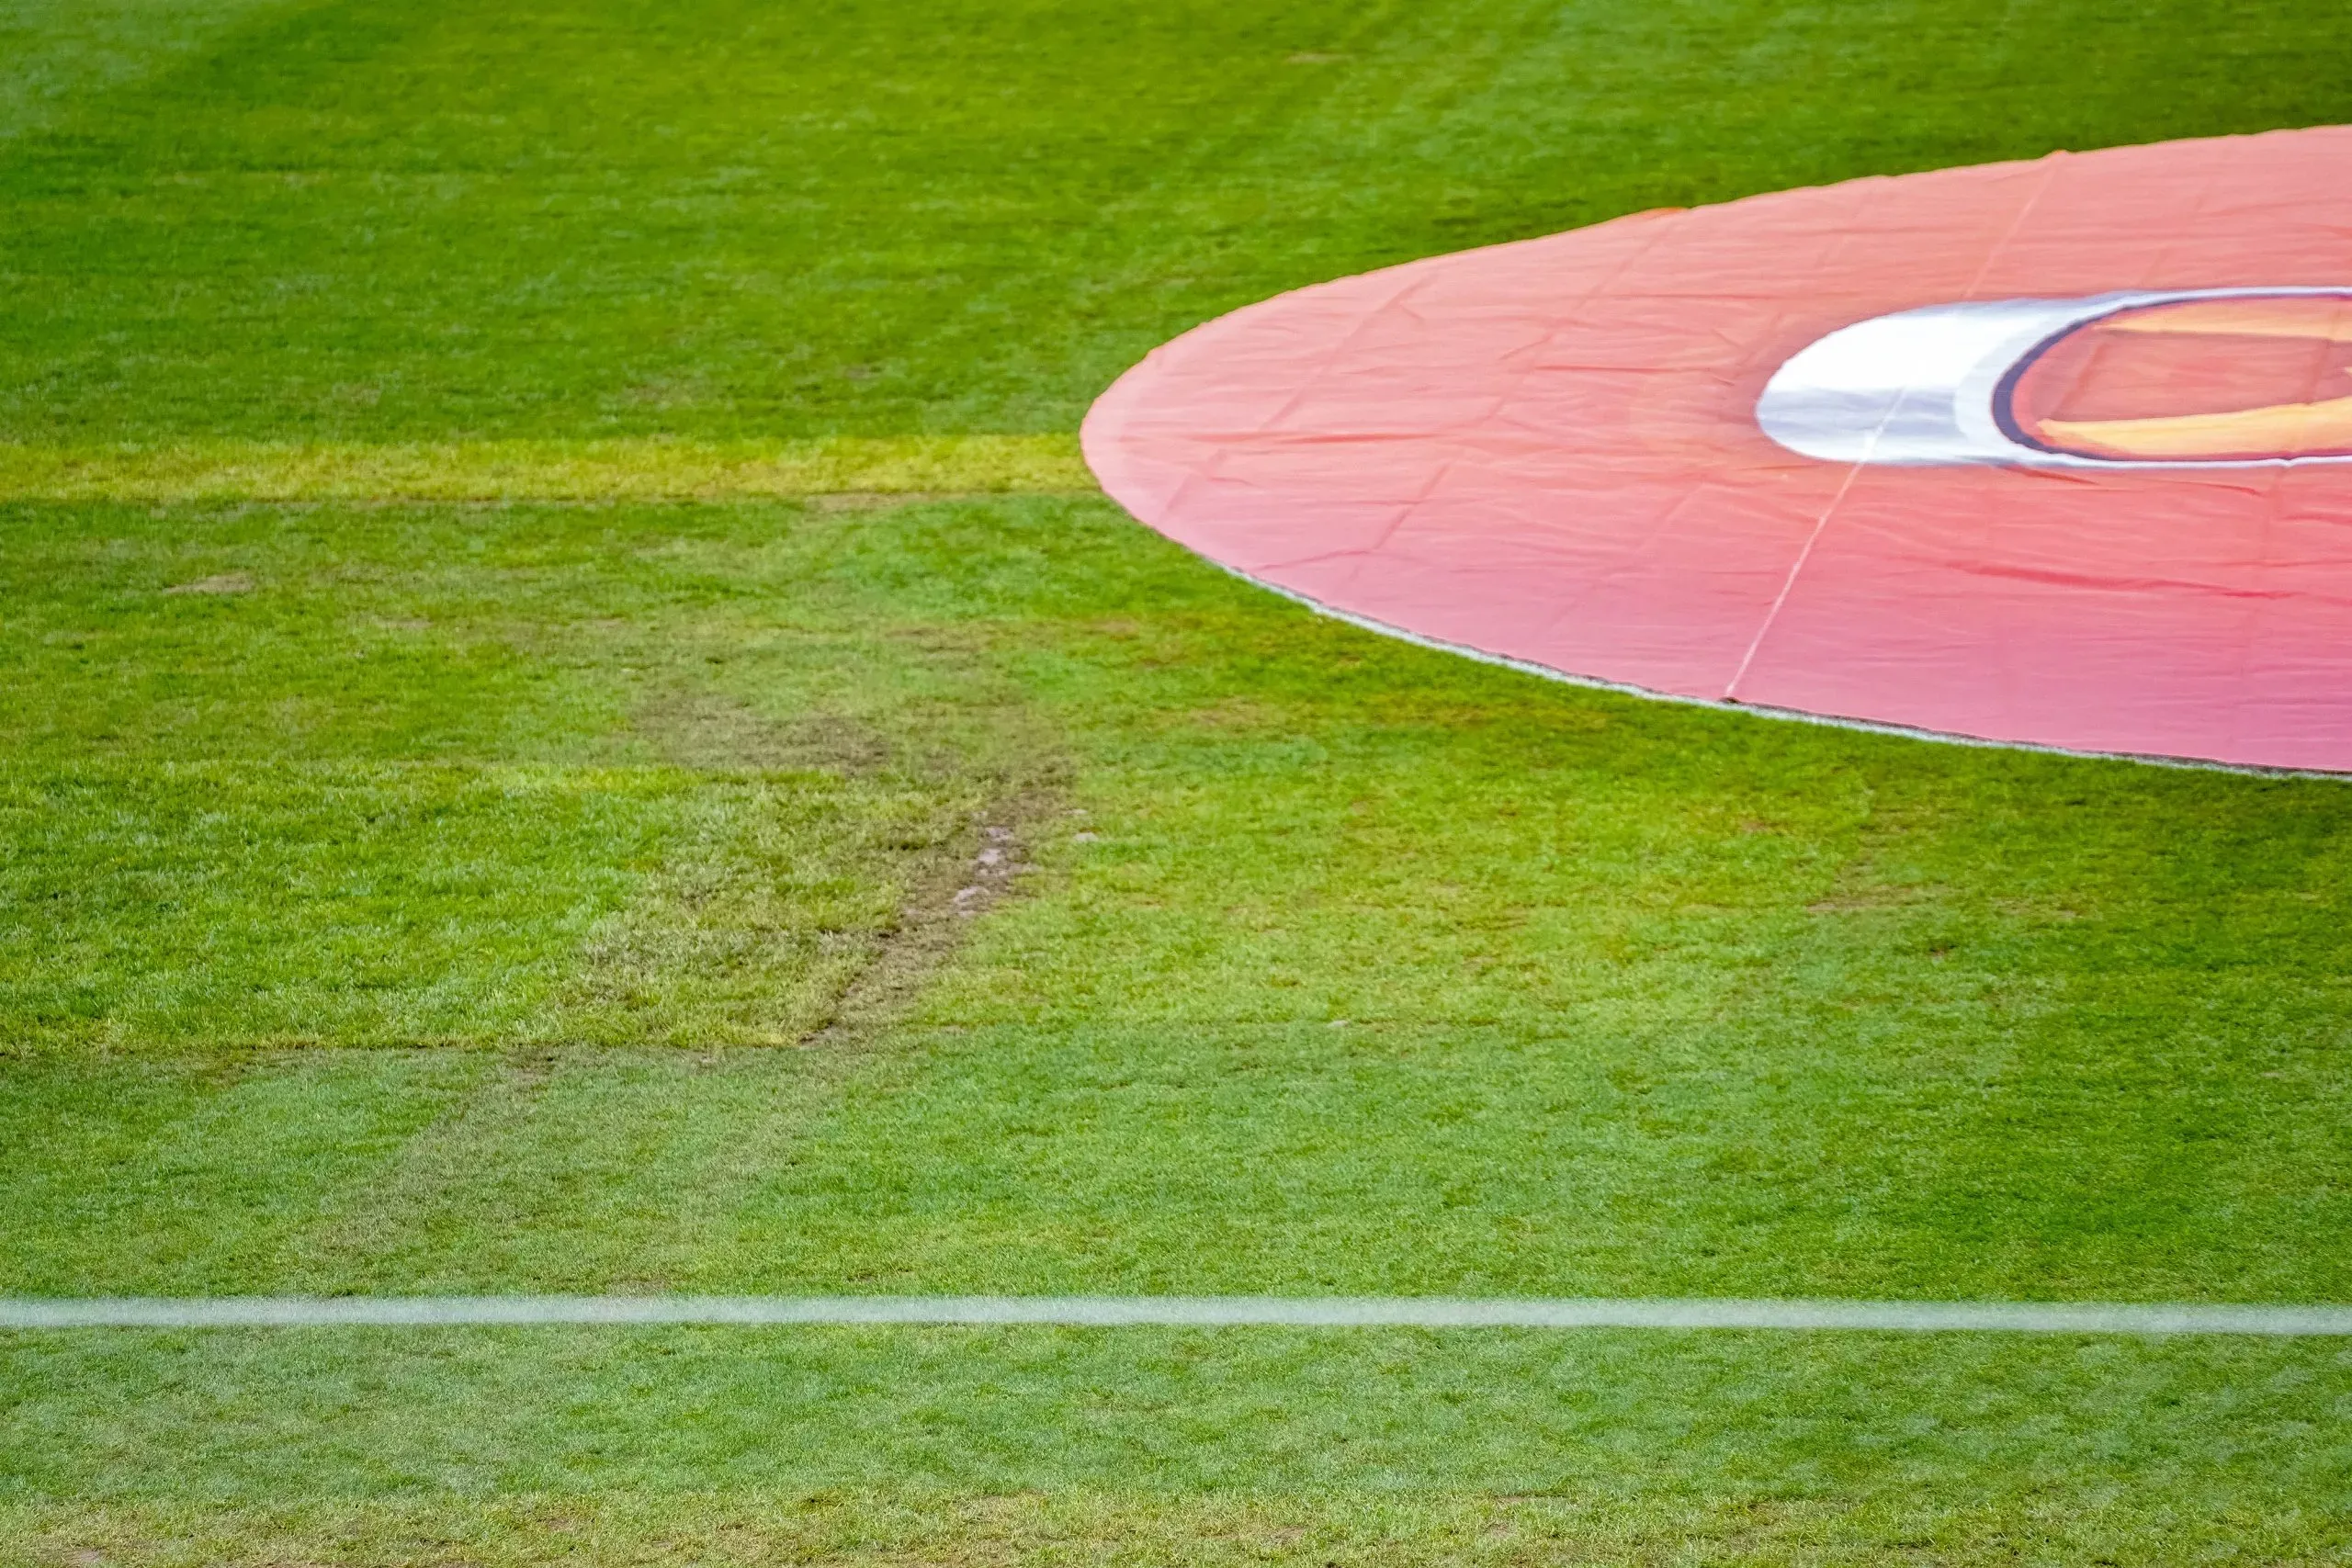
350	775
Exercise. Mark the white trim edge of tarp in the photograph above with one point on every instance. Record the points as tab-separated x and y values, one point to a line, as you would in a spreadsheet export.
1760	710
1175	1312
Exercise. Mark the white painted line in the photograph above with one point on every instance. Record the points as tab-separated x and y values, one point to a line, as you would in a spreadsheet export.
1189	1311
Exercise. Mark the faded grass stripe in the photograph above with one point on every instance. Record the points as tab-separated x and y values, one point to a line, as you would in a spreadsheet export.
1181	1312
634	470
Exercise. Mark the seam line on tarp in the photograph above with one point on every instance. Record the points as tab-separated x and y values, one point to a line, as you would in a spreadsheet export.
2050	166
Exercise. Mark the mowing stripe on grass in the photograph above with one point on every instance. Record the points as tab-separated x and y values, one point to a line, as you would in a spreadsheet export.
634	470
1181	1312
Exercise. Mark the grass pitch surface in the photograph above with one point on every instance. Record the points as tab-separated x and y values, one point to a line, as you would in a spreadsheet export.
571	726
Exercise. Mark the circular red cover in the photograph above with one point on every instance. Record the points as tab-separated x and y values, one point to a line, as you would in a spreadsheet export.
2088	489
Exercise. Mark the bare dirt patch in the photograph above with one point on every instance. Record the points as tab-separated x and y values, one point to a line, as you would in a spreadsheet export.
956	887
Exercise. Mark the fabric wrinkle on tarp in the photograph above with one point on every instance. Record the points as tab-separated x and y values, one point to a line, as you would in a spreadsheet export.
1549	452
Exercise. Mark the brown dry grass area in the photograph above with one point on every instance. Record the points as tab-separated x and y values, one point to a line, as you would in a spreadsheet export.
593	470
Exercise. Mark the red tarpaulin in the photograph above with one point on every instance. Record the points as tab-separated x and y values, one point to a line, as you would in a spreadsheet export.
2056	453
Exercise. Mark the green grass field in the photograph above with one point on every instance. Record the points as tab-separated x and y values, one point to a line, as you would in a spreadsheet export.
569	721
